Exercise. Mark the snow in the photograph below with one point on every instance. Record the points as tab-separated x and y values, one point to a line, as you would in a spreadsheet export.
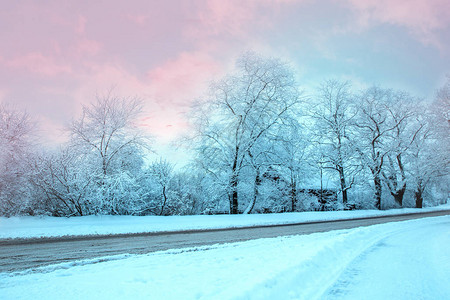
402	260
415	265
35	227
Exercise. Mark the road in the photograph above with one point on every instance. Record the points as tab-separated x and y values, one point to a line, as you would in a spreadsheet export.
16	255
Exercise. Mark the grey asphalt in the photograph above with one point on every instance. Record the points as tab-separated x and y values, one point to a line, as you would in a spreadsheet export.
22	254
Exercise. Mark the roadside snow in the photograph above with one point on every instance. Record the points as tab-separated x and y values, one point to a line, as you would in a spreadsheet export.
412	264
34	227
403	260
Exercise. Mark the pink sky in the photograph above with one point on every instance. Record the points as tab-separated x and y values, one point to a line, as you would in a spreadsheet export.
56	55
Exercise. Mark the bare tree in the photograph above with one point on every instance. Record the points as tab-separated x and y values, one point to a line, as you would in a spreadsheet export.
108	138
423	166
398	140
334	117
429	156
162	173
64	182
107	127
16	129
290	143
242	109
374	123
440	113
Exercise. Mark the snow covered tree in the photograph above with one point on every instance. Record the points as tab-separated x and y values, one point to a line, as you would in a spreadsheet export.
429	155
334	113
420	157
64	182
106	136
440	120
107	128
162	172
373	124
240	112
259	162
16	130
397	141
291	158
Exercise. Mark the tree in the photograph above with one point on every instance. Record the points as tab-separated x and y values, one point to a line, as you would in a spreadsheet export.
440	118
334	114
240	112
107	128
106	136
257	160
373	125
423	166
397	142
290	143
428	154
65	183
162	172
16	130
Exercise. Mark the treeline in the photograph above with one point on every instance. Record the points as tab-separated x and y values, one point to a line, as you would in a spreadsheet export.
259	145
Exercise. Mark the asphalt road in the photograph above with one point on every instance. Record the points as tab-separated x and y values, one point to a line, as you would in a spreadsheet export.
17	255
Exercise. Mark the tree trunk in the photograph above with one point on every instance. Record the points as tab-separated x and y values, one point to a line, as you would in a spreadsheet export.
398	195
377	184
343	185
419	199
233	185
418	195
164	200
255	193
293	196
234	195
393	183
234	203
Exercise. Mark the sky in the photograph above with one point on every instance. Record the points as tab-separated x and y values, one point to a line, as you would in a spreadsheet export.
55	56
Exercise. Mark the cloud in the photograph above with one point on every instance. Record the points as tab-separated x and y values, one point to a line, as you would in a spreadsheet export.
139	19
80	27
233	18
38	63
181	78
87	47
167	53
423	18
174	85
3	92
167	89
226	17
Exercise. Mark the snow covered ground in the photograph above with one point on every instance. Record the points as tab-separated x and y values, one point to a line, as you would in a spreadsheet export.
26	227
403	260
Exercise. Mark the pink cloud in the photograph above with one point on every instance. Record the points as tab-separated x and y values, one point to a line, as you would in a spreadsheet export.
233	18
138	19
167	52
87	47
421	17
182	77
3	92
226	17
80	27
38	63
167	90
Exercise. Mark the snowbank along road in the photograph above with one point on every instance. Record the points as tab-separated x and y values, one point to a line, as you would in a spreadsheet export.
23	254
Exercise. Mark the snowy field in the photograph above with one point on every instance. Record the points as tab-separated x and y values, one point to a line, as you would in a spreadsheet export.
27	227
403	260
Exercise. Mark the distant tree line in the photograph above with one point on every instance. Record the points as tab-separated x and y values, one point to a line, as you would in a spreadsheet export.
260	145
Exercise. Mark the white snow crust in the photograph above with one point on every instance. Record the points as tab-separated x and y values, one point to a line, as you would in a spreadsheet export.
401	260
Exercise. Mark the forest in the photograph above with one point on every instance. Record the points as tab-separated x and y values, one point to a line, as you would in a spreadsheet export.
259	144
